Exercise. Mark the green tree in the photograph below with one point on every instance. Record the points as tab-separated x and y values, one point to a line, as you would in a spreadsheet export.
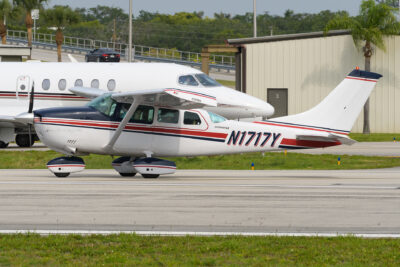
368	29
60	17
5	12
29	5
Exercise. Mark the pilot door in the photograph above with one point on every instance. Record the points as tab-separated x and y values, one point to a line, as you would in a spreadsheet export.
23	87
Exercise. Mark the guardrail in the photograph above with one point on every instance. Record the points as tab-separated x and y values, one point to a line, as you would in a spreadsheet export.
146	53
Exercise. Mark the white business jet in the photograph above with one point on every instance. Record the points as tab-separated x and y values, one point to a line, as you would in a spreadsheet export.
52	82
145	124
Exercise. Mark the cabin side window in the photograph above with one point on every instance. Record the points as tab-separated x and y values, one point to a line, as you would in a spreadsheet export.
46	84
168	115
111	85
143	114
95	83
78	83
62	84
191	118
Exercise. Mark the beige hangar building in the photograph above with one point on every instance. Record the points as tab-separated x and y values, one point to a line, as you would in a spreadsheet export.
295	72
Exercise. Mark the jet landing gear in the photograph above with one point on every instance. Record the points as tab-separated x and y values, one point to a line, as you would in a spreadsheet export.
64	166
147	167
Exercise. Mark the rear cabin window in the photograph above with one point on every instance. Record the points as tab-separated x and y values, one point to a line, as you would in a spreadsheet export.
191	118
188	80
168	115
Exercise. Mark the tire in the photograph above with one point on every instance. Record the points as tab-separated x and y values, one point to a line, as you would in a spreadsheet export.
150	176
127	174
62	174
3	144
24	140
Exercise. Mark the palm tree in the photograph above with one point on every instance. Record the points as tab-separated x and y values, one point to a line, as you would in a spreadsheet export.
60	17
5	11
29	5
374	22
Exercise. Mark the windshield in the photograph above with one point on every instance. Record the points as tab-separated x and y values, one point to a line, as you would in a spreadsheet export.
206	80
104	104
216	118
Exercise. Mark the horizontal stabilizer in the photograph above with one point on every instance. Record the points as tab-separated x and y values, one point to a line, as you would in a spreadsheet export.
327	137
87	92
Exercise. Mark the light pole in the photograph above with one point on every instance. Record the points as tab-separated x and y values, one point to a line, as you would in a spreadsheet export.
254	18
130	32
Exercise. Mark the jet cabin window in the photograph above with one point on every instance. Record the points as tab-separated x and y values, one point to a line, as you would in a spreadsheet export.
206	80
95	83
46	84
104	104
188	80
111	85
78	83
191	118
62	84
168	115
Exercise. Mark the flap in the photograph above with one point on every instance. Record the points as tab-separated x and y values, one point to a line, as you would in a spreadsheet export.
87	92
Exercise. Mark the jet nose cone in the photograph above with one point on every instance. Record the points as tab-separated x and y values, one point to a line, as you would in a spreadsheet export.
25	118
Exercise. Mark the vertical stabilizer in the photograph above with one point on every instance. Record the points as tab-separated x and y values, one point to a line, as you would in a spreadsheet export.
340	109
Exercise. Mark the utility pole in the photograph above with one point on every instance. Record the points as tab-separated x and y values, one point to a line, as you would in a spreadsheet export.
130	32
114	36
254	18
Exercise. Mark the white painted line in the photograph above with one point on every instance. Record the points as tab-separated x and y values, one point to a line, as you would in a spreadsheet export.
194	233
136	183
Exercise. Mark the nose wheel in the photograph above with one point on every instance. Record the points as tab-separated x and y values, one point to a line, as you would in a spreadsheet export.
64	166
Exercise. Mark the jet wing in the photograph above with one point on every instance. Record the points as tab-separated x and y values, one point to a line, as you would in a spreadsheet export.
87	92
327	137
168	97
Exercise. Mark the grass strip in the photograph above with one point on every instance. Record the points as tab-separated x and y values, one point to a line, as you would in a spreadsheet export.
134	250
270	161
231	84
375	137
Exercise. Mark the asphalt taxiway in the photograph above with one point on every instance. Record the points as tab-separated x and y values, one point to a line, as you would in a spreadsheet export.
302	202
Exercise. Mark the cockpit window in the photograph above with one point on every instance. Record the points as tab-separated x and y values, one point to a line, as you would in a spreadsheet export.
142	114
206	80
104	104
216	118
188	80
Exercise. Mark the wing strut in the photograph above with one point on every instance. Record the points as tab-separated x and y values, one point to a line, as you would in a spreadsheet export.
124	122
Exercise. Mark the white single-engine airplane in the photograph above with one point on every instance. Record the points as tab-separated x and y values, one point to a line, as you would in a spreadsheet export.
145	124
53	83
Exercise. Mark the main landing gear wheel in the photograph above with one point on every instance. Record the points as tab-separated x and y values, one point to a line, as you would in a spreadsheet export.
127	174
150	176
3	144
24	140
62	174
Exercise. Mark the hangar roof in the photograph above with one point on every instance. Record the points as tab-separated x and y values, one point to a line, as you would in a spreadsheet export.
285	37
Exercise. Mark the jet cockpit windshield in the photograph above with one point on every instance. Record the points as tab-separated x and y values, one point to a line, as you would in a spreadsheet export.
197	79
104	104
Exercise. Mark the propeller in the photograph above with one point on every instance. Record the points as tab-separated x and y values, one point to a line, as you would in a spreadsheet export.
31	98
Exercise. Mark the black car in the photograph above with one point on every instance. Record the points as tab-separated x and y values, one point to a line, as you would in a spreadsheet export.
102	55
